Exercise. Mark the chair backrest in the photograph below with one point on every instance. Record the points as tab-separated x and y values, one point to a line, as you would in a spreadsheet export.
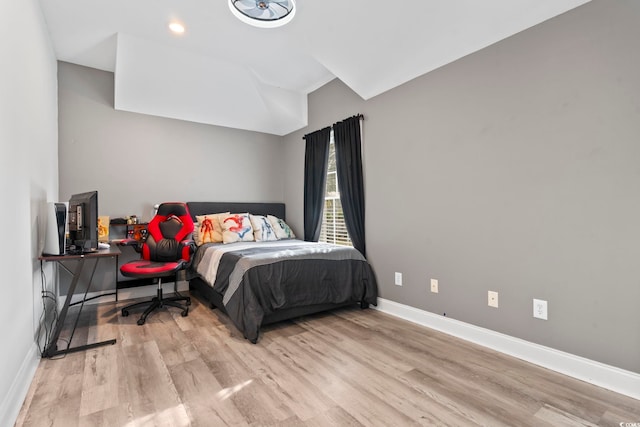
170	226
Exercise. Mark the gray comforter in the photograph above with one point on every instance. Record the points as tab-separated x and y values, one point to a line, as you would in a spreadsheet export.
258	278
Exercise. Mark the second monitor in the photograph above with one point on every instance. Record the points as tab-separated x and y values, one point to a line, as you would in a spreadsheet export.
83	222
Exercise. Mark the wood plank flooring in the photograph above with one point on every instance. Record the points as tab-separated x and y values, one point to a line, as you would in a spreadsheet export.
350	367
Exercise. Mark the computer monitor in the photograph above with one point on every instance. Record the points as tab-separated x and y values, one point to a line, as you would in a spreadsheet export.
83	222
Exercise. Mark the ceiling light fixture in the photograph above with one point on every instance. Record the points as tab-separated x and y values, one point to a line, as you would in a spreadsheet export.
176	27
263	13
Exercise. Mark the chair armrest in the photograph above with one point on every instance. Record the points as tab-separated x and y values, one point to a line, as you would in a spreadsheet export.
137	245
190	246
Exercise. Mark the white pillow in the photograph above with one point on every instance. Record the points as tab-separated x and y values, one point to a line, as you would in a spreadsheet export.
236	228
283	231
209	229
262	229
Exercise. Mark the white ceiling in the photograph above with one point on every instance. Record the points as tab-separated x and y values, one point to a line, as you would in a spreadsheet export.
227	73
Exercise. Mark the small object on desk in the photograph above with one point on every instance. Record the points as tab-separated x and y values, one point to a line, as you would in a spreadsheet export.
103	228
103	245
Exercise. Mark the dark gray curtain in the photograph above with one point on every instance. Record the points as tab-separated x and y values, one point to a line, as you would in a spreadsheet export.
315	176
346	136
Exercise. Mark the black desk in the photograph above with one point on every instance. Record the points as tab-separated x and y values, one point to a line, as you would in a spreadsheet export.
51	348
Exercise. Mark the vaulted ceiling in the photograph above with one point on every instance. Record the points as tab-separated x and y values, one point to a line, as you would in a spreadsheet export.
224	72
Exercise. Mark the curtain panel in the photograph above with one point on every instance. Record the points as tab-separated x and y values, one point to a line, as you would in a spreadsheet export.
315	176
347	139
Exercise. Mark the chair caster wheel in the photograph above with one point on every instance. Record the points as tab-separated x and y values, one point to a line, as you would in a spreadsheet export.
185	312
141	322
125	313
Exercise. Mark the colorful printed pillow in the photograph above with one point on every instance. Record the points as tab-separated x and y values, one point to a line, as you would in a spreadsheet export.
209	229
262	229
236	228
283	231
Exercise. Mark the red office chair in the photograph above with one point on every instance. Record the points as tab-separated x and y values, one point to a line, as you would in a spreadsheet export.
165	252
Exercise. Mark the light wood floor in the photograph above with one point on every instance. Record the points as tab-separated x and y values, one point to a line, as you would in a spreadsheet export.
351	367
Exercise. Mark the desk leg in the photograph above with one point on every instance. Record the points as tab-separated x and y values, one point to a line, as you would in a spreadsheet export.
52	347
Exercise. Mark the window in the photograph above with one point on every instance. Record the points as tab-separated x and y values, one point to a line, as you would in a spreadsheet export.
334	229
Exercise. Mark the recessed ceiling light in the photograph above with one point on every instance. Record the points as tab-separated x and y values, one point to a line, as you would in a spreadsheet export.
176	27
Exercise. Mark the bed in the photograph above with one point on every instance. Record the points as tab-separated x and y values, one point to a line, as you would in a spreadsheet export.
259	283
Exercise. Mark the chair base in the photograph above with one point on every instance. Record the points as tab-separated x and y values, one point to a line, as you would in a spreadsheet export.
158	302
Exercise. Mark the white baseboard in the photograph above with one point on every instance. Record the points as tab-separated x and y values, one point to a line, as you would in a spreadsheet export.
125	294
149	291
10	407
599	374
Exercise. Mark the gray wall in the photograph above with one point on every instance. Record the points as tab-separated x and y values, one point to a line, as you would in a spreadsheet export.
28	179
515	169
135	160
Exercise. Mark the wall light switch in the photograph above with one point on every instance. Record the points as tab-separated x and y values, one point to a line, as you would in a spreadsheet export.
434	286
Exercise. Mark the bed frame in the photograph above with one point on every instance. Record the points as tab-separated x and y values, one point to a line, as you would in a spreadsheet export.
205	292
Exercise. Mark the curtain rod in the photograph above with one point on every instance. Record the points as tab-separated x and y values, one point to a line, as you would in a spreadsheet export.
359	116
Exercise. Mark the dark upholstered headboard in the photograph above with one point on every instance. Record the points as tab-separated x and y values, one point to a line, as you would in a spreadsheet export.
203	208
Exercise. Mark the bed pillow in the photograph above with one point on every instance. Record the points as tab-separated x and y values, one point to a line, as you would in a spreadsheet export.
196	232
236	228
262	229
209	229
283	231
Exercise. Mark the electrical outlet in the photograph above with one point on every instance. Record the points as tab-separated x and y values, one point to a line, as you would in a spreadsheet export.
434	286
540	309
398	279
492	298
